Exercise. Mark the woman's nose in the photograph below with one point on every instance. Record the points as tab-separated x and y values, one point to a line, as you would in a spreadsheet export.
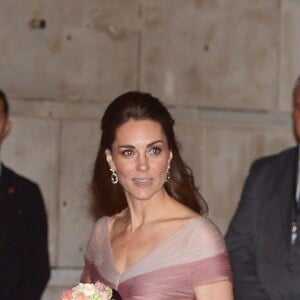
142	163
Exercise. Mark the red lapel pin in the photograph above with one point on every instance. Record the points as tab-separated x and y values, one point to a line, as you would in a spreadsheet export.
11	191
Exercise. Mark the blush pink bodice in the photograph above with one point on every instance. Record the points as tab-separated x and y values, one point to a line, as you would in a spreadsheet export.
195	255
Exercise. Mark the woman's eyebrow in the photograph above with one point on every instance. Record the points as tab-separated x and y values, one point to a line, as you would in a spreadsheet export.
149	145
155	142
126	146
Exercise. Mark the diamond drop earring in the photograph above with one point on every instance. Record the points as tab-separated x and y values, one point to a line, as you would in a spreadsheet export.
114	176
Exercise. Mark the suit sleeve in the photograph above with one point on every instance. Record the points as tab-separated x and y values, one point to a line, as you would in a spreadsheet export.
35	268
240	242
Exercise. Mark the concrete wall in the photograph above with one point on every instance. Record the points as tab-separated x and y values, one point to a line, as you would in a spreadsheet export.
225	68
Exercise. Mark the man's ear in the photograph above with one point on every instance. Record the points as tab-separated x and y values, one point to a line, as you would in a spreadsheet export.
7	128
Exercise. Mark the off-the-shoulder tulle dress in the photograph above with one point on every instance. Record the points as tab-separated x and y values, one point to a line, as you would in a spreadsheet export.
195	255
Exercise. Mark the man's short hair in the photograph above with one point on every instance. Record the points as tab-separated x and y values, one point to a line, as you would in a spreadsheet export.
5	102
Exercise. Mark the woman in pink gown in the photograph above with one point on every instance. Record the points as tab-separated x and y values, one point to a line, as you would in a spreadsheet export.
153	240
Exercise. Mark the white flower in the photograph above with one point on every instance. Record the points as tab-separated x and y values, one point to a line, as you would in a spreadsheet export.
88	289
97	291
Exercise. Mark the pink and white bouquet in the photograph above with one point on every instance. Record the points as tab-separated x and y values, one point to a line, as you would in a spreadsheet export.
88	291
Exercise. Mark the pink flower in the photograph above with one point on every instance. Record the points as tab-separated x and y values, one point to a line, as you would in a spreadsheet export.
73	295
104	291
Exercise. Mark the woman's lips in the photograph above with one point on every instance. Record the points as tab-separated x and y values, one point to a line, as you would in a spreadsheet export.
142	181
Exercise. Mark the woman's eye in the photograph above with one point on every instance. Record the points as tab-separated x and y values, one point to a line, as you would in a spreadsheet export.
127	152
155	150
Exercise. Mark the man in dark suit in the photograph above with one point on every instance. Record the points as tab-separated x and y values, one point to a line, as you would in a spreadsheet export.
24	260
262	237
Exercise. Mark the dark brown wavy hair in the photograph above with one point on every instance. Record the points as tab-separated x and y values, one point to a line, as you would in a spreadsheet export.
109	198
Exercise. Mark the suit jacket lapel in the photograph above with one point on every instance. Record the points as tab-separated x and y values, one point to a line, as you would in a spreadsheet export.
9	204
7	188
3	185
284	193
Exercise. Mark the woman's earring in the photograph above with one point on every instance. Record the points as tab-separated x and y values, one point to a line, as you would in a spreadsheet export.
168	174
114	176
